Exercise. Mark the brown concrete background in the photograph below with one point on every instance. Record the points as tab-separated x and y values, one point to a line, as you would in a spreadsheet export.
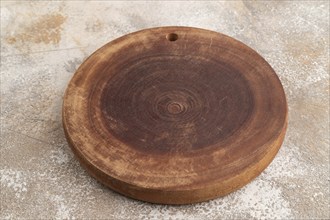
42	44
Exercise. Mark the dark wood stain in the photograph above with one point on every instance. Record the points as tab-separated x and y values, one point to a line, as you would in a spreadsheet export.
175	115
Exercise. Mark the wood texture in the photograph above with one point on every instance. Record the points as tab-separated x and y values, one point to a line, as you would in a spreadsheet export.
175	115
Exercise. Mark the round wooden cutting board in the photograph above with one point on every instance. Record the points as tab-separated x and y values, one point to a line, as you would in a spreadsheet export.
175	115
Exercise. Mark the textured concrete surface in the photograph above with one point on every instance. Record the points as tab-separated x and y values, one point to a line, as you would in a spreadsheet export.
42	44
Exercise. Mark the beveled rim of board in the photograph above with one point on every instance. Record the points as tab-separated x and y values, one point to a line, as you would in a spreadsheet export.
173	189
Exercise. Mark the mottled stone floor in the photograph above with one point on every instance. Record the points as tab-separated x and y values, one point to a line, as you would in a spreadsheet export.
42	44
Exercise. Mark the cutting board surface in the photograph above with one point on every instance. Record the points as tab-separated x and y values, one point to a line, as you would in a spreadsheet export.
175	115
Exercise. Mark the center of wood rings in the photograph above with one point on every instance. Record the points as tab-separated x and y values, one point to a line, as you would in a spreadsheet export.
155	107
175	108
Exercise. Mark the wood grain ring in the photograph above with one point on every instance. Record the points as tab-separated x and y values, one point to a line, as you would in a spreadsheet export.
175	115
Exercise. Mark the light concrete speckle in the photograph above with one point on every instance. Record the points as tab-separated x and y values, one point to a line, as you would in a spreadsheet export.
44	42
